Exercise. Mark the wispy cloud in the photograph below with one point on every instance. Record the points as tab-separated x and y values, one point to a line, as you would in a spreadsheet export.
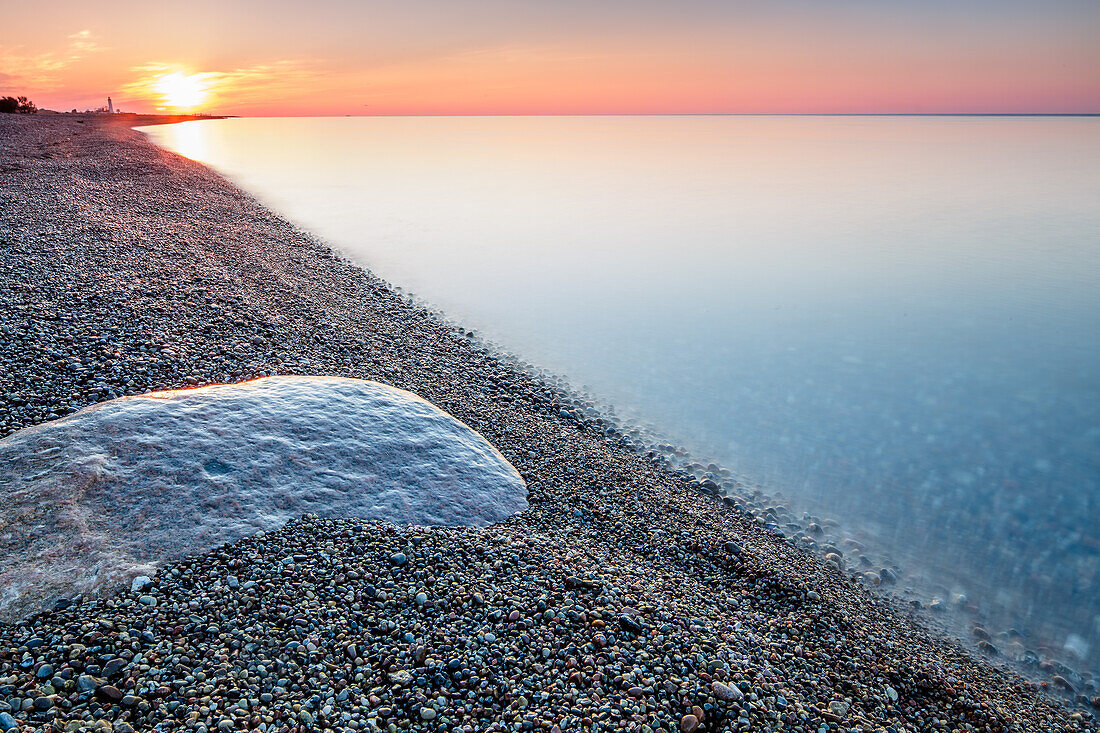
242	86
82	43
42	71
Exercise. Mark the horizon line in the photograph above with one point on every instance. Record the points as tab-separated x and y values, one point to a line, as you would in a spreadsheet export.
635	114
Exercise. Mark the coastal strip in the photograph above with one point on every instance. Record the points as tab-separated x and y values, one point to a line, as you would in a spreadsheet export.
621	599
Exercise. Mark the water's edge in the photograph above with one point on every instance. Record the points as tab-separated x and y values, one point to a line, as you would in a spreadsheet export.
710	479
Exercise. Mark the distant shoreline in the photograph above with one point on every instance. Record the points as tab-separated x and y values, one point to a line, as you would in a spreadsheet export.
131	119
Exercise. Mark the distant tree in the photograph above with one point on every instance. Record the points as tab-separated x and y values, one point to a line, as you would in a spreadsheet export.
21	105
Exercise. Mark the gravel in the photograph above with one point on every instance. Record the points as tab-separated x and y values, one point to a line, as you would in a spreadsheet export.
614	602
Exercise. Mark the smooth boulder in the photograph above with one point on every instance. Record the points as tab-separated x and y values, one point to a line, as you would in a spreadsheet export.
107	493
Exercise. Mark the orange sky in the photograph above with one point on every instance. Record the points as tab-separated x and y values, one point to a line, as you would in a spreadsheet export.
336	57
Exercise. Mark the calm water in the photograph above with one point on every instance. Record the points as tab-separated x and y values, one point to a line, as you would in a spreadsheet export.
890	321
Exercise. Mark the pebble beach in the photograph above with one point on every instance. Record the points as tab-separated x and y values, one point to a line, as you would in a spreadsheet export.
623	598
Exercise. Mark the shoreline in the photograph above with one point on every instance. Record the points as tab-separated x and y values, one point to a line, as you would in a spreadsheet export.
129	119
127	268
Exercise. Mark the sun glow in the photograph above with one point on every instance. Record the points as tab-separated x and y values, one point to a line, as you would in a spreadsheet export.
182	91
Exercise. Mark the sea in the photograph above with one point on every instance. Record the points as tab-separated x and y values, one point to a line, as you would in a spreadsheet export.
884	328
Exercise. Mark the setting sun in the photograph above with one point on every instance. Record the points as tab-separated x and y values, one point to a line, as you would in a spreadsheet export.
182	91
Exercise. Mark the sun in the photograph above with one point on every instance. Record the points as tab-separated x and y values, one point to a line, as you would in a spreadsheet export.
182	91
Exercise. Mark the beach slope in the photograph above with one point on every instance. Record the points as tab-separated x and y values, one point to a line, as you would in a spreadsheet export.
621	598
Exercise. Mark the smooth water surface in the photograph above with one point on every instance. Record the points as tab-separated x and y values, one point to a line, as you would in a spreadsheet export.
891	321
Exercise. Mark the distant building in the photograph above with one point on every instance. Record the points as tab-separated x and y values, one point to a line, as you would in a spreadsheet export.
110	106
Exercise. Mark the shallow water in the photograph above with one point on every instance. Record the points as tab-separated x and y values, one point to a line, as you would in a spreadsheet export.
112	490
888	320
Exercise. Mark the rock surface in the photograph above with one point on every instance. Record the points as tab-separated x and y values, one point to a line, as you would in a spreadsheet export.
116	488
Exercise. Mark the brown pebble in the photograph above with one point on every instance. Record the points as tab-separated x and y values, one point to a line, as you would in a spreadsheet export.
110	692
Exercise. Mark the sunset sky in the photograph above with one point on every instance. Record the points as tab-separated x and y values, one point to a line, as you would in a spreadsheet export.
337	57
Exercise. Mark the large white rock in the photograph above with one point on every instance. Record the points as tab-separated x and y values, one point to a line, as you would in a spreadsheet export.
110	491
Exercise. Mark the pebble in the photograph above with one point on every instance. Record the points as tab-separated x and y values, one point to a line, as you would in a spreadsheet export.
113	667
109	692
726	693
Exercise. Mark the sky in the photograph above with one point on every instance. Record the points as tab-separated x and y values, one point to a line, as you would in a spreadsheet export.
356	57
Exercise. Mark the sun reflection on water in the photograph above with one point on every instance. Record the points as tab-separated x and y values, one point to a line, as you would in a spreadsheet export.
190	140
